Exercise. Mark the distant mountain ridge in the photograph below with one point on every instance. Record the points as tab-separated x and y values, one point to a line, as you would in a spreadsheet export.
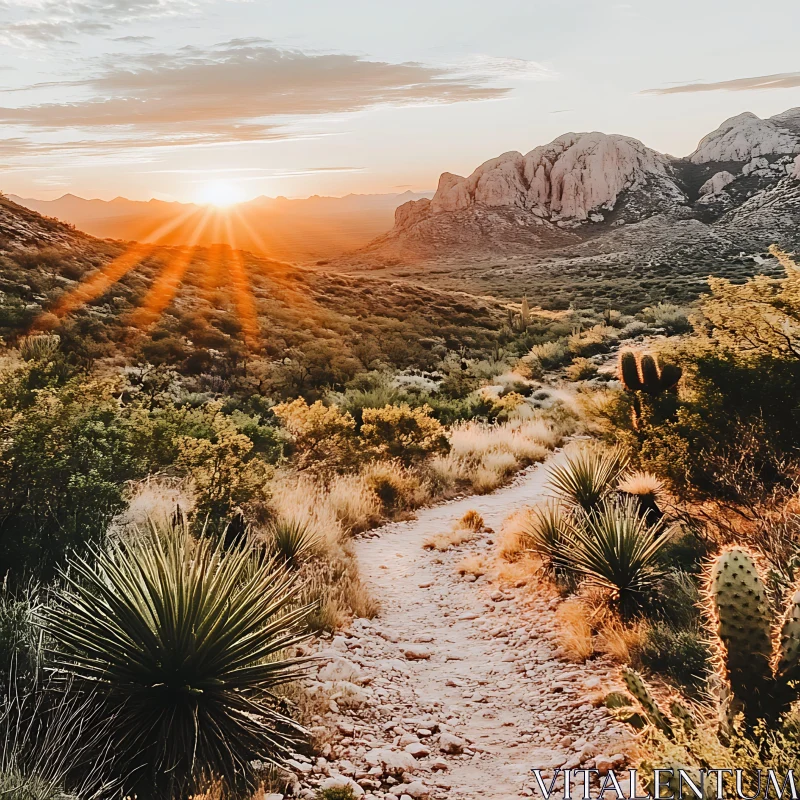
583	184
305	229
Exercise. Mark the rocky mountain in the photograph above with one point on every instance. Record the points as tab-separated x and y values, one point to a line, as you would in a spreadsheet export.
583	185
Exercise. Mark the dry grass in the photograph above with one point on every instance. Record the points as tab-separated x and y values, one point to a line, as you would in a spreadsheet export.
471	520
447	539
396	487
486	480
154	499
513	539
641	483
575	633
354	503
620	641
472	565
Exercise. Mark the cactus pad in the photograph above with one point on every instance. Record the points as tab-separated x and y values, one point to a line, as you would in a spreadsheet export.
743	619
639	689
651	376
788	665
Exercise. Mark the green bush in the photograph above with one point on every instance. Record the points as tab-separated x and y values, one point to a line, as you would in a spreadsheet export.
679	653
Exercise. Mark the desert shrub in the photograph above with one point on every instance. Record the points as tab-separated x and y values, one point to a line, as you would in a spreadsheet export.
549	354
185	676
223	473
581	369
322	436
680	653
403	433
396	487
596	339
65	454
673	318
336	793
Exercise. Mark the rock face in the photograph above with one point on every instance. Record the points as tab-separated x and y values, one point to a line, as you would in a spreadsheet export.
745	137
575	178
582	184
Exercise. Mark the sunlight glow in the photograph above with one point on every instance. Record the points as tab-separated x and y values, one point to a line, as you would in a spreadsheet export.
220	194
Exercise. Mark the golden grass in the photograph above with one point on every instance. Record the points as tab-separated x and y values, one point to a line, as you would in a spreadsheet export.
447	539
513	539
471	520
396	487
472	565
354	502
643	484
155	498
575	631
620	641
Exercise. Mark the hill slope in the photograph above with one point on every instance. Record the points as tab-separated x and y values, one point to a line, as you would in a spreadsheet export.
224	313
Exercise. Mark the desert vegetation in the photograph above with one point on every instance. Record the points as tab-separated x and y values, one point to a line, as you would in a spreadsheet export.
672	532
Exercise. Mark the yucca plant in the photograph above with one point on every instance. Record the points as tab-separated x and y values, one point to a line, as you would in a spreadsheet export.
291	541
182	643
616	549
547	532
587	476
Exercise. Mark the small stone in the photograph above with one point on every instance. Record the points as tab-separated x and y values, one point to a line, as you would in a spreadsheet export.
416	652
417	790
418	750
438	764
448	743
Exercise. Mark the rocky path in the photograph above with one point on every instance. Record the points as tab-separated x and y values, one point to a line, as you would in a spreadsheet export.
457	689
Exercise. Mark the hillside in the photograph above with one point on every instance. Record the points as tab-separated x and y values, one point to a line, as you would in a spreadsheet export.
224	314
277	227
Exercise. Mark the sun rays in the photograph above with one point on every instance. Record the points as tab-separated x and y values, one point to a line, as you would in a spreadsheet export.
223	266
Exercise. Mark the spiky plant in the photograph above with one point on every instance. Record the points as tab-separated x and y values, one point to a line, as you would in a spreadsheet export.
39	346
587	476
617	550
291	541
546	532
182	643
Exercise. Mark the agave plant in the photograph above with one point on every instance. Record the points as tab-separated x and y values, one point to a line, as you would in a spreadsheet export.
548	534
182	643
587	476
616	549
291	541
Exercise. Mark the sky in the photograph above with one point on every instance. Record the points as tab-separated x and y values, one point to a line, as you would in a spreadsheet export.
225	100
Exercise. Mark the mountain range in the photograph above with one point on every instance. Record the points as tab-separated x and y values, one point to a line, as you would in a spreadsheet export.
742	182
306	229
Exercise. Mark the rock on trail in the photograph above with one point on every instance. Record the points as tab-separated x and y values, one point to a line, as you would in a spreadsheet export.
456	690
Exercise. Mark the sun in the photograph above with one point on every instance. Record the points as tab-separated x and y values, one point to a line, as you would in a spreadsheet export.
220	194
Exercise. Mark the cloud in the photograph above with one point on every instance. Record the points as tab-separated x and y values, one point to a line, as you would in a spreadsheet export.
231	91
46	22
134	39
245	90
507	68
782	80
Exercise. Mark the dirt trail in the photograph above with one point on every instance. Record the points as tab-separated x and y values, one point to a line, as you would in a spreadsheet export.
456	690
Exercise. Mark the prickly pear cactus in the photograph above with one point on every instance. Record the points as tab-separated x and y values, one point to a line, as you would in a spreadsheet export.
639	689
683	715
743	622
788	664
629	371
